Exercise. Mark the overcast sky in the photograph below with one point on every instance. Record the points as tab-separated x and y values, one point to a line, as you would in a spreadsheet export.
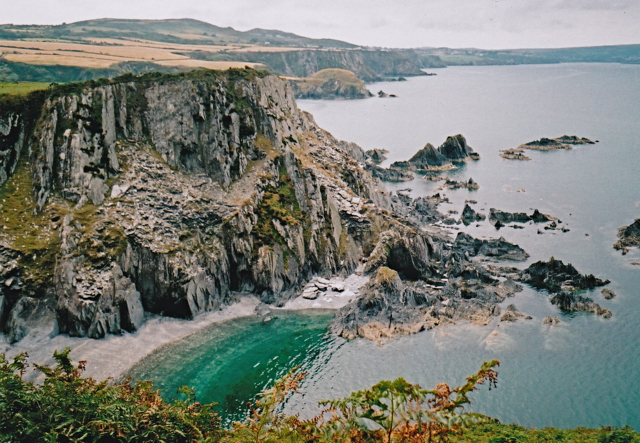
390	23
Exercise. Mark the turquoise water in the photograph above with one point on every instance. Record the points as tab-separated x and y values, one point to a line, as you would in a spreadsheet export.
230	363
584	372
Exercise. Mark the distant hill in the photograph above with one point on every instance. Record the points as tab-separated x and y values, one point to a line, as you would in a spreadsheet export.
593	54
181	31
109	47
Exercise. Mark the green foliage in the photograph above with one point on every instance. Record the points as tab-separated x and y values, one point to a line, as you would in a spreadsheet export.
499	433
67	407
31	233
401	411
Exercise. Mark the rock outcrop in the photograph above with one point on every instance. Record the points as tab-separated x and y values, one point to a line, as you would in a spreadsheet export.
629	237
470	184
552	144
555	276
514	154
376	156
453	150
499	249
496	215
389	175
568	301
165	194
469	215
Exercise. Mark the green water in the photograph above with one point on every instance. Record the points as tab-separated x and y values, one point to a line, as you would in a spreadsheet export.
230	362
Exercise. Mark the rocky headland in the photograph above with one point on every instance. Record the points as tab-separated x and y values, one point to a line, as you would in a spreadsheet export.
629	236
330	84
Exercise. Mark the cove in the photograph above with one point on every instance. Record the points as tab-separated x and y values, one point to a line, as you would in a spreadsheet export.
230	362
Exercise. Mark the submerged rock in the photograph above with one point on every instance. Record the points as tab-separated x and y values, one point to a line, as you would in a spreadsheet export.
512	314
551	321
608	294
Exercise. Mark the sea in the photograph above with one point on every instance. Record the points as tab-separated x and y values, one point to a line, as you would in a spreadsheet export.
585	371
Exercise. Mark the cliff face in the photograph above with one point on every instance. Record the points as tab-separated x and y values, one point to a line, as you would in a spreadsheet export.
367	65
170	194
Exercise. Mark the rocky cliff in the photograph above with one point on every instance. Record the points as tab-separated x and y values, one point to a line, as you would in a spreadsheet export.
170	194
175	194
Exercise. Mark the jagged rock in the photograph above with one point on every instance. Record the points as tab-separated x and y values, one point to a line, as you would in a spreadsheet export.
554	274
31	316
427	159
571	302
496	215
382	94
376	155
629	237
608	294
551	321
499	249
508	217
455	148
512	314
222	201
469	215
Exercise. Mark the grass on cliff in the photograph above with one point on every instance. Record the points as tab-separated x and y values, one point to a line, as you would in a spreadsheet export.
279	203
21	88
344	77
30	233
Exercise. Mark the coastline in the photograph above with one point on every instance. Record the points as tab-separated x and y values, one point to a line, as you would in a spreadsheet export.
114	355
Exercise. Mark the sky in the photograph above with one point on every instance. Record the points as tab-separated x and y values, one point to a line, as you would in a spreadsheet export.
488	24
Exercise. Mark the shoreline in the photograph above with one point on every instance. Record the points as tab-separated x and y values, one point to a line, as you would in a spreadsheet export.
112	356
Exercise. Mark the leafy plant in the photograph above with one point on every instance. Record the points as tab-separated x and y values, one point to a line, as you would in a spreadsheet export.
401	411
